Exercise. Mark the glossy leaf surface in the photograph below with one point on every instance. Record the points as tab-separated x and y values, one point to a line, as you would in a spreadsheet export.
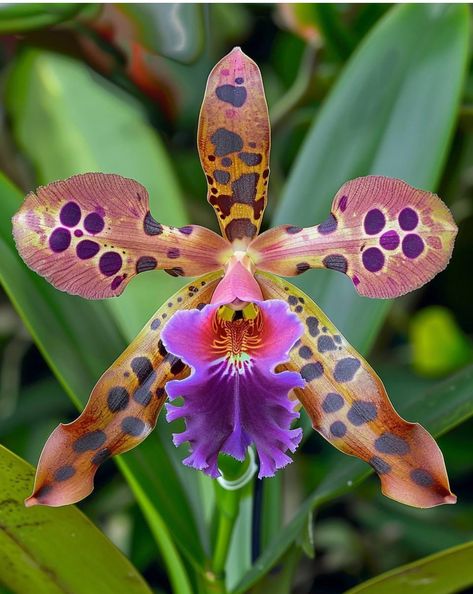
54	551
443	573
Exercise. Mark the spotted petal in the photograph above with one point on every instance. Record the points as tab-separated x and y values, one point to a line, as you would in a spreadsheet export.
233	397
349	406
90	234
388	237
234	144
122	409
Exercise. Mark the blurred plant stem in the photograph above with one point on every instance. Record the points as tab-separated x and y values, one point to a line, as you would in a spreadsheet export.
290	100
229	489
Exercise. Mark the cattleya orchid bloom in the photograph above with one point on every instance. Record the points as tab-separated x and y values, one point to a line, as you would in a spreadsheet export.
239	345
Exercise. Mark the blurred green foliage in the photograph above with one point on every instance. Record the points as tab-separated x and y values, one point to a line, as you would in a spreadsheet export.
352	90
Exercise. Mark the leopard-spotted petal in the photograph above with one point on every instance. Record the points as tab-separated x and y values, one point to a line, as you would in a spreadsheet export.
122	409
234	144
387	236
90	234
348	405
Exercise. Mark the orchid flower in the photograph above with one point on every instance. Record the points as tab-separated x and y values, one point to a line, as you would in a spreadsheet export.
239	347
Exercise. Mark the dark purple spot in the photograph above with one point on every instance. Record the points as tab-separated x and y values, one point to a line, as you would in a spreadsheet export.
292	300
110	263
356	280
313	325
336	262
302	267
133	426
251	159
412	245
312	371
239	80
87	249
244	188
422	477
329	225
222	177
117	281
389	443
305	352
173	253
226	162
70	214
236	96
117	399
78	233
293	230
143	395
187	230
361	412
176	271
345	369
240	228
146	263
162	349
380	465
325	343
101	456
342	205
226	142
338	429
408	219
374	221
177	367
64	472
142	368
90	441
389	240
151	226
94	223
373	259
43	491
155	324
333	402
60	240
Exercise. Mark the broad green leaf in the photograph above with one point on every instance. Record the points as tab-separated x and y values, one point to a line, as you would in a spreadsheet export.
79	340
52	551
17	18
439	409
68	120
388	114
443	573
173	30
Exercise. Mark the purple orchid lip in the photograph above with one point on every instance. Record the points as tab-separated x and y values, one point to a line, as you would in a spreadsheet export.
233	397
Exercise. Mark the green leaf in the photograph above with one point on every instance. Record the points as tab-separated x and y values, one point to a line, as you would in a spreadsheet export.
52	551
17	18
69	120
388	114
173	30
439	409
79	340
443	573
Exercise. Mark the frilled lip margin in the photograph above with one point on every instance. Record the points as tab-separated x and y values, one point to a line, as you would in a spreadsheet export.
233	397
